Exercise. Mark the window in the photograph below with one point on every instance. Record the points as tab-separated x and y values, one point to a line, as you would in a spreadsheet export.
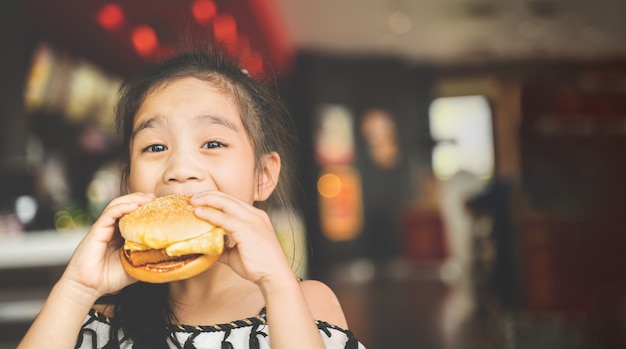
462	130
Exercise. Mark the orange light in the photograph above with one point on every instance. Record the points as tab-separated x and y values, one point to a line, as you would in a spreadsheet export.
145	40
110	16
329	185
203	11
340	202
225	28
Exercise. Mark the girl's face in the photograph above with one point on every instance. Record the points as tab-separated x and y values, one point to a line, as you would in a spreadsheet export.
188	137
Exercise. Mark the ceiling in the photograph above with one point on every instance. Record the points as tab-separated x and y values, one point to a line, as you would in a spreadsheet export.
457	31
432	31
74	26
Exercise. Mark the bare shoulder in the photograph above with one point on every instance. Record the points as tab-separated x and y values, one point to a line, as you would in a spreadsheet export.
323	303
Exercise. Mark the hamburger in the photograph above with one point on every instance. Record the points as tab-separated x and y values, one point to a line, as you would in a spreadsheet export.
165	241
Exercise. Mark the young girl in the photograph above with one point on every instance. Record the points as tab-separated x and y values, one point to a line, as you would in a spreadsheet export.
197	124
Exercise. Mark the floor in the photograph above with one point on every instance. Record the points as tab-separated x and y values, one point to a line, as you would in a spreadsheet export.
421	308
397	314
408	309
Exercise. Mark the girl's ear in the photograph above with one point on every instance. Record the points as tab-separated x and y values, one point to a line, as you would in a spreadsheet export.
268	176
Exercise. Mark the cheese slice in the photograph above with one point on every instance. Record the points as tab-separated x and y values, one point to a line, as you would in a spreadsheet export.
135	246
210	243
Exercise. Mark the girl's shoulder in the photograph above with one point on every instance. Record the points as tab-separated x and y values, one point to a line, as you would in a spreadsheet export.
323	302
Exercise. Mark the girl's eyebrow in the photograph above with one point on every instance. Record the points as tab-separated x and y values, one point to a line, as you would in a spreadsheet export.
217	120
148	123
156	121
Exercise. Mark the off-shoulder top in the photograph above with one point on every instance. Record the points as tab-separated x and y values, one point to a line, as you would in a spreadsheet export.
98	332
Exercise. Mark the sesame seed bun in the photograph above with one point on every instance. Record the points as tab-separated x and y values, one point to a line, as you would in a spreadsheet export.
165	241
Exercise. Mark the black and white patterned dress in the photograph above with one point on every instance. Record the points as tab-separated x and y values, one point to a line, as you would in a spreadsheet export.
98	332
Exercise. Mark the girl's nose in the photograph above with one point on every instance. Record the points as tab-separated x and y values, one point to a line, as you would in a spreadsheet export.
181	168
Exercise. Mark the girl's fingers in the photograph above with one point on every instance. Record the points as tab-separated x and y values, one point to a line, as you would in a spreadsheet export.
117	208
218	200
95	262
216	217
252	248
222	209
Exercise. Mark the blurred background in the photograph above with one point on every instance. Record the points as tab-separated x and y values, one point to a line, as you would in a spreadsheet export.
462	161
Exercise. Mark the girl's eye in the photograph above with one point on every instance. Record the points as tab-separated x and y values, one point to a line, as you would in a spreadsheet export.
155	148
213	144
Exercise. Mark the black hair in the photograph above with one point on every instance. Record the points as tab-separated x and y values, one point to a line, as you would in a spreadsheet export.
270	129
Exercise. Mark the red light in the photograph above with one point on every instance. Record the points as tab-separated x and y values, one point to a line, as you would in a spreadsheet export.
239	46
164	51
203	10
225	28
145	40
110	16
253	62
243	43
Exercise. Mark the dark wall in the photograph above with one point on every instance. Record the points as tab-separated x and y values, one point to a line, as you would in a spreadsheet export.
574	165
360	84
15	176
13	66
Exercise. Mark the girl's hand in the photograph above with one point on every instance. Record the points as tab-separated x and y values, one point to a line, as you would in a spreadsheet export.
95	264
252	250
